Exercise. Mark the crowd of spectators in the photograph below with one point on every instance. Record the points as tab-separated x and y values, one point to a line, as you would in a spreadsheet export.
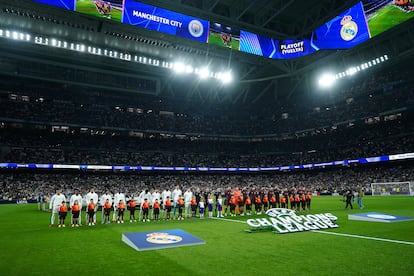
378	94
43	146
26	184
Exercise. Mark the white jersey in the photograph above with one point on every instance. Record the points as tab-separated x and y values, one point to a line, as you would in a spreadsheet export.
75	197
143	195
92	195
210	201
219	201
201	204
154	196
175	194
188	195
118	197
166	193
56	201
104	197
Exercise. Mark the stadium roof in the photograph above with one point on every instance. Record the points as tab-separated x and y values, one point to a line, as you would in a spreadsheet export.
258	79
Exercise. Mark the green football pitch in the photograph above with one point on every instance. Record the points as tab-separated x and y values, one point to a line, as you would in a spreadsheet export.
88	7
30	247
386	18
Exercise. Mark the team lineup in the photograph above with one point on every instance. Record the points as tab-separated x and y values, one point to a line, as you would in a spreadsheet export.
172	205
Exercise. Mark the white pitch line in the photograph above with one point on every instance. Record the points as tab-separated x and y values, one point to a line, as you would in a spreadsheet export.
339	234
363	237
232	220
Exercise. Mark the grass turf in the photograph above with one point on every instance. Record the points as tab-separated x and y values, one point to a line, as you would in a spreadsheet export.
386	18
88	7
30	247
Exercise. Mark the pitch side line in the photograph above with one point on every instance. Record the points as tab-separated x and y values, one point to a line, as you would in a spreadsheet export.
232	220
363	237
339	234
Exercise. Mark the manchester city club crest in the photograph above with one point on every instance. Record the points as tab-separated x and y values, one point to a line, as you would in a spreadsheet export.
195	28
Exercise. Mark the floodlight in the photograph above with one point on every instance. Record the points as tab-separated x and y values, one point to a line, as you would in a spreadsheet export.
326	80
179	67
15	35
189	69
225	77
351	71
204	73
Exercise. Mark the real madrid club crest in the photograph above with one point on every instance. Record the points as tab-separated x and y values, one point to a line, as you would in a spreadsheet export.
163	238
349	28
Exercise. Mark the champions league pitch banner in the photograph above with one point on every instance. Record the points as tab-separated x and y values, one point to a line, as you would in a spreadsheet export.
165	21
287	221
160	239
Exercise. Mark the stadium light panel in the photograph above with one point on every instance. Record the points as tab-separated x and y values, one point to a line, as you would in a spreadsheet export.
179	67
7	33
1	32
15	35
226	77
352	71
326	80
386	57
204	73
189	69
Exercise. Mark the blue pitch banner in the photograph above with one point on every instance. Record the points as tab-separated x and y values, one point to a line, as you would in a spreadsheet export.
378	217
160	239
63	4
165	21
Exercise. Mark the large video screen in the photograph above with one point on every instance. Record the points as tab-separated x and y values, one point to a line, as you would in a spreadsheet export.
382	15
165	21
357	24
105	9
225	36
63	4
272	48
344	31
140	15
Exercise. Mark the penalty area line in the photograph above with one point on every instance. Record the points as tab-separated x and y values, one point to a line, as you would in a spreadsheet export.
363	237
338	234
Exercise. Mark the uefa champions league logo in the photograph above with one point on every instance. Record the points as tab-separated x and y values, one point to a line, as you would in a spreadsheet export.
195	28
283	220
278	212
163	238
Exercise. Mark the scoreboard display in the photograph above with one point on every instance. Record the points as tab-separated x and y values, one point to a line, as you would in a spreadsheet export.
352	27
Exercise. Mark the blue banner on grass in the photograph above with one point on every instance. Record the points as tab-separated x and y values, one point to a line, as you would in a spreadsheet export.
160	239
378	217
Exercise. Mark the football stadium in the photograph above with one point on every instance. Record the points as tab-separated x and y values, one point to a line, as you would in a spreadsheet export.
211	137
